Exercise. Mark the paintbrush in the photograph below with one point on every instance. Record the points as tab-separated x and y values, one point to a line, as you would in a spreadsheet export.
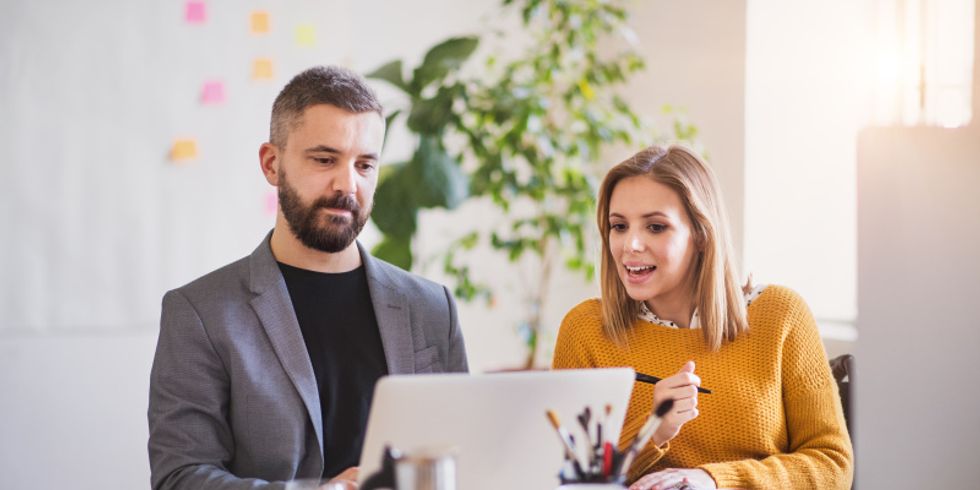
643	436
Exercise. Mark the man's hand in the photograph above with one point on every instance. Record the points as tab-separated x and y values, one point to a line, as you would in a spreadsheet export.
693	479
683	389
347	480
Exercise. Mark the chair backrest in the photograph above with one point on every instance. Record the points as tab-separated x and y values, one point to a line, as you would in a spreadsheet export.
842	367
843	370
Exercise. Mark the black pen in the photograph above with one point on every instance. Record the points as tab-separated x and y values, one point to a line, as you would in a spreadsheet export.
646	378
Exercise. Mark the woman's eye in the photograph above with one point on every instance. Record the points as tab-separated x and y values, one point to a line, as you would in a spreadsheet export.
657	228
617	227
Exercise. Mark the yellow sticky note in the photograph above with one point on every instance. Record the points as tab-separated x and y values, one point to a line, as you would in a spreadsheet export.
262	69
305	35
260	22
183	149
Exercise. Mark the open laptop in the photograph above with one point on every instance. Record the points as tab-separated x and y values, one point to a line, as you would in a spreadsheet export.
495	422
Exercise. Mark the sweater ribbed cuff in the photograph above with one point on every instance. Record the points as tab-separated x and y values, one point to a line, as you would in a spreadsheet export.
651	455
725	475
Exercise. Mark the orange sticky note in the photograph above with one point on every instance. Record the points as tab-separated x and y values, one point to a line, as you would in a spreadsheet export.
271	202
194	12
305	35
213	92
183	149
260	22
261	69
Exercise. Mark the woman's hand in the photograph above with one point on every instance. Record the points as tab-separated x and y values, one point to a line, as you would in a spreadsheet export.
683	389
347	480
693	479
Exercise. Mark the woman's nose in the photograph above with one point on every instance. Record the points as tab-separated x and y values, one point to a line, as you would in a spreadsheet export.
634	244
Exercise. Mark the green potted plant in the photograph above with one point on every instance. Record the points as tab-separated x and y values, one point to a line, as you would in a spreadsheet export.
530	129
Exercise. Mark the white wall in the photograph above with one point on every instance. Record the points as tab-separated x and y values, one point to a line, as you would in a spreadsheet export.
100	224
73	410
696	58
918	274
806	89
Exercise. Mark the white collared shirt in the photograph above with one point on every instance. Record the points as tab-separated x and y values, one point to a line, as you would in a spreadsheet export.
648	316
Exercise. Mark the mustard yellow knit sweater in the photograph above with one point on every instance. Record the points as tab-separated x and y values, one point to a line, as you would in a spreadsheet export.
774	419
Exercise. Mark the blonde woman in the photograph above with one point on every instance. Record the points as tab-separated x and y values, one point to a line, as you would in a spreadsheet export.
672	307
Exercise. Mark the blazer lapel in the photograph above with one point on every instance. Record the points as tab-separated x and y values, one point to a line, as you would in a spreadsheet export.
391	309
275	310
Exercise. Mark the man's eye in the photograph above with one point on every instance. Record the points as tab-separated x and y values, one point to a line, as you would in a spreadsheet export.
365	166
324	161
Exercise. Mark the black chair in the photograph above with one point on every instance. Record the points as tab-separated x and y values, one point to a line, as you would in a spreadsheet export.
843	369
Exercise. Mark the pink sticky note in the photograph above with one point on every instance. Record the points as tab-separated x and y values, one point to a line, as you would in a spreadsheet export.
271	202
195	13
213	92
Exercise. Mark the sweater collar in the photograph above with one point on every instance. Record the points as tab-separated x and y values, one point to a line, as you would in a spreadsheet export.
648	316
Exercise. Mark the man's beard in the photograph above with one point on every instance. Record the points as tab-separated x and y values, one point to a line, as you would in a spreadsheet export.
306	222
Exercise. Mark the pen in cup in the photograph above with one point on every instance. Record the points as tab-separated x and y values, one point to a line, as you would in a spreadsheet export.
603	449
643	436
585	420
566	440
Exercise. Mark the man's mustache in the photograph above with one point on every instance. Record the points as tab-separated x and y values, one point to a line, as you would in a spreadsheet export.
345	202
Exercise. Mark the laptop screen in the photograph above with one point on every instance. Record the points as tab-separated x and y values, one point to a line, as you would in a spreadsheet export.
495	423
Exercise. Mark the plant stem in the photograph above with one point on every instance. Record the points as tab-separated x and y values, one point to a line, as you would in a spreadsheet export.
538	299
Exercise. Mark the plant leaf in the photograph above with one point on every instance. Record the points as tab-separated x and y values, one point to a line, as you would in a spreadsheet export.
394	204
391	72
439	182
443	57
397	251
431	116
388	122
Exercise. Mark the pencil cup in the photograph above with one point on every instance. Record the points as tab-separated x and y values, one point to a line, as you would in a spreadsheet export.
428	470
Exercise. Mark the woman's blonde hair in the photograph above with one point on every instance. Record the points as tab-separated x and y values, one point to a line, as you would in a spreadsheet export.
718	298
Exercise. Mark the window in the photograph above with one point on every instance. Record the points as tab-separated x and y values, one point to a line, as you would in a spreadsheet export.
924	66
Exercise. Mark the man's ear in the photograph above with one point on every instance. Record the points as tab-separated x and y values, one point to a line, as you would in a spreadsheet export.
269	161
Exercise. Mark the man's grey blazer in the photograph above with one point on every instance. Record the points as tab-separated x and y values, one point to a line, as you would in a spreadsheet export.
233	399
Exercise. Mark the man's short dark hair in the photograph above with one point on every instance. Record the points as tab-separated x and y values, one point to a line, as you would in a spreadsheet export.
332	85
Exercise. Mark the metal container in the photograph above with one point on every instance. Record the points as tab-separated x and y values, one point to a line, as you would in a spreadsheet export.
426	470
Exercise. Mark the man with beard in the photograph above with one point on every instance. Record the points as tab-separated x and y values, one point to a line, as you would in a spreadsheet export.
265	368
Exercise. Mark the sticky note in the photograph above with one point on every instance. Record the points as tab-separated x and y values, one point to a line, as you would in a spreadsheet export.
261	69
271	202
305	35
260	22
195	12
213	92
183	149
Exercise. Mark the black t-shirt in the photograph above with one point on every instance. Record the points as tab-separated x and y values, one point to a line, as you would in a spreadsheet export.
341	333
